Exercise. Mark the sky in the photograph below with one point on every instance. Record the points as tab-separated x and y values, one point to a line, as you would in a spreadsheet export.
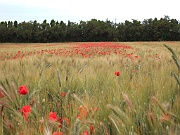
77	10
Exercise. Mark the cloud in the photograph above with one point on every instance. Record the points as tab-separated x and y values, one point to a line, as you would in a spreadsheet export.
75	10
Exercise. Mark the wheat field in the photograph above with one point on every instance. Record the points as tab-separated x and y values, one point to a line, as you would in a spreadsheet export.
90	88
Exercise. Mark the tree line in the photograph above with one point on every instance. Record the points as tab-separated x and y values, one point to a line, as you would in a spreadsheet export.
163	29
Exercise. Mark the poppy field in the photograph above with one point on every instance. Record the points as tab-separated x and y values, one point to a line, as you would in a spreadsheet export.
90	88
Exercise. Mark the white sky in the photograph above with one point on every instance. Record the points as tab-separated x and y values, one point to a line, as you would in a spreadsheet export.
76	10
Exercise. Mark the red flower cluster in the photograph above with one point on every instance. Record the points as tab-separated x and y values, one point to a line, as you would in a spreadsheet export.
117	73
57	133
53	117
63	94
95	109
23	90
83	113
85	50
26	110
91	129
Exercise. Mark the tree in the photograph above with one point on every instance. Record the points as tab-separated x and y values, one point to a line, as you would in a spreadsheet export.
44	31
3	32
165	29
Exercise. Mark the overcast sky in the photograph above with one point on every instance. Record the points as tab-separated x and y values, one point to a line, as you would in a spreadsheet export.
76	10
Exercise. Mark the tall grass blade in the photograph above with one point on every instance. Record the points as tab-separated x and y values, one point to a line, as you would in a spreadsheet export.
177	79
174	56
76	127
111	117
159	104
176	62
75	96
172	51
59	79
119	113
6	94
126	98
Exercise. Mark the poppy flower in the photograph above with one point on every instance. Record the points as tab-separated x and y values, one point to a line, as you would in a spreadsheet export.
136	57
117	73
1	94
53	116
68	106
23	90
95	109
63	94
85	133
57	133
134	70
83	113
26	110
166	117
91	129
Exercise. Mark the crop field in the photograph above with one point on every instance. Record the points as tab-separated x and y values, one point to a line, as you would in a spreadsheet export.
90	88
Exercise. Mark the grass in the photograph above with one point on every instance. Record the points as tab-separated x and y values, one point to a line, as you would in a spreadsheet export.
144	99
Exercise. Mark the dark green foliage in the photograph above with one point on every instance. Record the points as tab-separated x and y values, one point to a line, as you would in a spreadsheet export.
164	29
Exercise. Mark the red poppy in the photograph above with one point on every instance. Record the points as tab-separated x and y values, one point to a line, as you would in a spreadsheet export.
136	57
85	133
68	106
53	116
134	70
91	129
1	94
63	94
117	73
26	110
166	116
23	90
95	109
83	112
57	133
